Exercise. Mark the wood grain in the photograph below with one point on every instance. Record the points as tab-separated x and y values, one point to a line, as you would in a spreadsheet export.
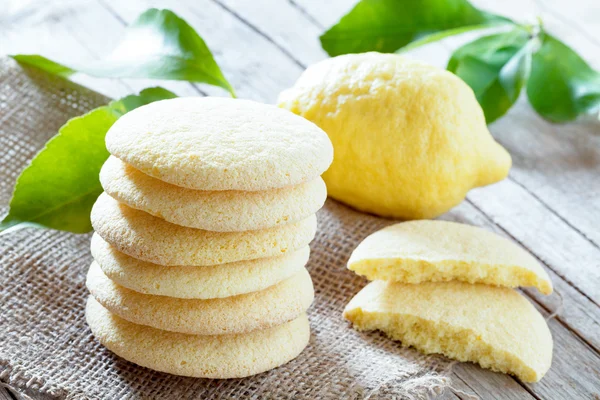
557	163
581	371
51	35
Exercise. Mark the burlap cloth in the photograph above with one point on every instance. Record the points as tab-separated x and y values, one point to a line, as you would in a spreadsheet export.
46	347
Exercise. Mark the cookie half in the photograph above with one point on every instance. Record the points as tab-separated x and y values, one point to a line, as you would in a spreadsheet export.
219	357
213	143
435	251
220	211
152	239
191	282
494	326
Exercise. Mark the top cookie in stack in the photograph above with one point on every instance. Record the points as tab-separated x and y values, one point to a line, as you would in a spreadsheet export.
202	236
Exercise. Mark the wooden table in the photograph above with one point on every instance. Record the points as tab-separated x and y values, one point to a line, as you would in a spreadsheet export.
550	204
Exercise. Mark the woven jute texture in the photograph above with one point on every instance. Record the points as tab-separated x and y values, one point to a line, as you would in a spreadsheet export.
46	347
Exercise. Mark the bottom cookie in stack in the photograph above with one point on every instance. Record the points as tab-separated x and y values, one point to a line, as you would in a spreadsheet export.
206	356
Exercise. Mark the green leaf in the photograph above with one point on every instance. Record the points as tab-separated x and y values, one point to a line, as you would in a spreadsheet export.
496	67
387	25
562	85
60	185
158	45
44	64
150	95
434	37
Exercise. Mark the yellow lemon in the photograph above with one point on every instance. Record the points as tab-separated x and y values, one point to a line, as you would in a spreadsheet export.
409	139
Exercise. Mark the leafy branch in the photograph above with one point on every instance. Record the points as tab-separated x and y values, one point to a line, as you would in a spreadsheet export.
560	85
157	45
60	185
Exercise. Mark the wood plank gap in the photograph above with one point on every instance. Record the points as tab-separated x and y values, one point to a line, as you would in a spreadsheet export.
6	394
564	323
527	388
198	90
306	14
282	49
558	215
466	384
115	14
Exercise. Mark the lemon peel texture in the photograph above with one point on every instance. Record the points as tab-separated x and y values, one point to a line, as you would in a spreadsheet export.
410	139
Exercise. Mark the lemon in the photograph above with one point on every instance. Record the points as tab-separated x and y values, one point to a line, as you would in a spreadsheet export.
409	139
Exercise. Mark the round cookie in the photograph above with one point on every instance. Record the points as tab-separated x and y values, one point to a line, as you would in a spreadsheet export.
243	313
196	282
221	211
212	143
152	239
219	357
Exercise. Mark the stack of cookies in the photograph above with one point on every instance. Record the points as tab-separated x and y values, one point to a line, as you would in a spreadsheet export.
202	236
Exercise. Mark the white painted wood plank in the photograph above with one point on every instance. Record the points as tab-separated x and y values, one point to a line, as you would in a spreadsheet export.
574	372
291	29
564	250
581	15
326	13
576	312
281	22
43	31
486	384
